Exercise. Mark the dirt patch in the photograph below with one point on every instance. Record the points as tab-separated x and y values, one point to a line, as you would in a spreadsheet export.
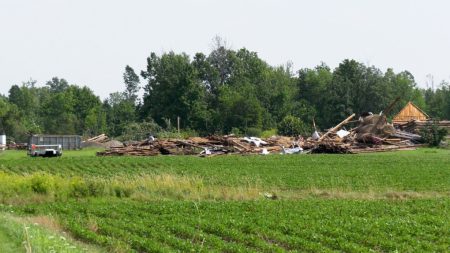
47	222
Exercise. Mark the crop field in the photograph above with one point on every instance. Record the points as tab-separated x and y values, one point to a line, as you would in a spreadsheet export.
259	226
384	202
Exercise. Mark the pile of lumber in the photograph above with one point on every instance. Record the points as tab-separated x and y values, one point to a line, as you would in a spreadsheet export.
209	146
99	139
17	146
415	126
372	134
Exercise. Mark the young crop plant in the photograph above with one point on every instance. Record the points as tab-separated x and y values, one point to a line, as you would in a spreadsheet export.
260	226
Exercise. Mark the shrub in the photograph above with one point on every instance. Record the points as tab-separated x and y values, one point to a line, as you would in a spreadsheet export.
185	133
139	131
292	126
78	187
41	183
122	191
269	133
95	188
432	134
236	131
253	131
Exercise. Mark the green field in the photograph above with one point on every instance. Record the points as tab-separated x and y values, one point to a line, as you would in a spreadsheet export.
384	202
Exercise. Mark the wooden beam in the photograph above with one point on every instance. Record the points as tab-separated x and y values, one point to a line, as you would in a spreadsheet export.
337	126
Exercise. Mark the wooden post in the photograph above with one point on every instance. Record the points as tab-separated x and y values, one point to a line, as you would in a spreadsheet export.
337	126
178	124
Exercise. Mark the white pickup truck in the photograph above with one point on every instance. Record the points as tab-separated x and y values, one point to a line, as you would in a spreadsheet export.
45	150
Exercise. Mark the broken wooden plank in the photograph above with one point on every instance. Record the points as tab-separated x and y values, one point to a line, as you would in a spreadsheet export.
337	127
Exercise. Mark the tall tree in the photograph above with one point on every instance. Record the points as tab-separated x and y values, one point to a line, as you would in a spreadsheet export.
119	113
57	85
174	90
131	80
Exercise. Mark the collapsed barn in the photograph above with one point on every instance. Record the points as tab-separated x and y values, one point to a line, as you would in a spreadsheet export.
371	133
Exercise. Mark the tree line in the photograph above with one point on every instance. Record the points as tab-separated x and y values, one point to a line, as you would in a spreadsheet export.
225	91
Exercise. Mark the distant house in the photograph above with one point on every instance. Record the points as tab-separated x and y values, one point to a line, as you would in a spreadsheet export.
408	113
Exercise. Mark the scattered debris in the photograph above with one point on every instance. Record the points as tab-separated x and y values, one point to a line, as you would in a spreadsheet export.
272	196
372	134
415	126
210	146
342	133
315	136
289	151
369	136
255	141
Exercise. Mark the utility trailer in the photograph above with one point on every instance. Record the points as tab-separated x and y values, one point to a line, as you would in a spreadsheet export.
45	150
67	142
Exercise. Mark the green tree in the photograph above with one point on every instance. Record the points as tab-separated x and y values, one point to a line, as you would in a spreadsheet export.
438	101
58	114
174	90
131	80
238	111
11	122
293	126
95	121
119	113
57	85
313	95
85	104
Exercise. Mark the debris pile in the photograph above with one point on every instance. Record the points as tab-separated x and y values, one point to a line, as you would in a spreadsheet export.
368	136
415	126
209	146
101	141
17	146
371	133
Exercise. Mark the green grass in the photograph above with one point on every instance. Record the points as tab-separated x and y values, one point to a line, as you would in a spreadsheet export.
8	242
421	170
21	235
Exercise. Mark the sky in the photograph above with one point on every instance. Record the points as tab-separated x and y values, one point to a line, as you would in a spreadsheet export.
89	42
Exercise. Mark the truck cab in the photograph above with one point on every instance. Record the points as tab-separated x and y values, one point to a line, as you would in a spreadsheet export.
45	150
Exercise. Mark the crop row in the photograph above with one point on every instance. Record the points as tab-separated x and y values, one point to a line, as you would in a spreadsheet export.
257	226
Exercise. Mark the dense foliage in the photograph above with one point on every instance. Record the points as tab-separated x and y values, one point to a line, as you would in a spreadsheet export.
222	92
292	126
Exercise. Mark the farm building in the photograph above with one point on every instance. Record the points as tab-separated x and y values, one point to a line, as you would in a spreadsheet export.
413	119
68	142
408	113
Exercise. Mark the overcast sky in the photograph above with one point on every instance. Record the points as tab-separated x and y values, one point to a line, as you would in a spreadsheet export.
89	42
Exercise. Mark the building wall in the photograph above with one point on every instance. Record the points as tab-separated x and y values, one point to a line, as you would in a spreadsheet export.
410	112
